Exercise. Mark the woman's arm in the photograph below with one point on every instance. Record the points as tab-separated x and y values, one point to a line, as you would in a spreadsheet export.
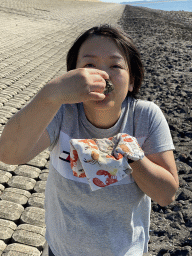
156	175
25	129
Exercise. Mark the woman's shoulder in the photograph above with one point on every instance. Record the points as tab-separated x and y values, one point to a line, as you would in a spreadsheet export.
149	112
144	105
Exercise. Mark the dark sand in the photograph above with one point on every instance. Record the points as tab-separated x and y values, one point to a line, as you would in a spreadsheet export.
164	40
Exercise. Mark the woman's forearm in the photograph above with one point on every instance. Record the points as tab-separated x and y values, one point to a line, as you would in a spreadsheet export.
155	181
24	129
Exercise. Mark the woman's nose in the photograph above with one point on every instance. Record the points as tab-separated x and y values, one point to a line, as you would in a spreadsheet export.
106	69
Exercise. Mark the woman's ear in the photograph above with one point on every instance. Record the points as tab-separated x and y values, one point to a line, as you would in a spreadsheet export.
131	83
130	89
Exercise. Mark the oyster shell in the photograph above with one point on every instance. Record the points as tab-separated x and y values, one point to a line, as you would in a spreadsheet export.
109	87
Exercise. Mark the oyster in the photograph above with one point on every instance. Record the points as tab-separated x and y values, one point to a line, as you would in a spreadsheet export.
109	87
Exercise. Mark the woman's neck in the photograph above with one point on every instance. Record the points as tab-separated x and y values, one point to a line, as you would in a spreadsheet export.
103	119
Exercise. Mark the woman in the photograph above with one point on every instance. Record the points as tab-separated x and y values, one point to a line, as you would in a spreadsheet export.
113	220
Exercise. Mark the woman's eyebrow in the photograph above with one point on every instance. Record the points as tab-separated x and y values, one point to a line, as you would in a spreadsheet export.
89	56
110	57
116	57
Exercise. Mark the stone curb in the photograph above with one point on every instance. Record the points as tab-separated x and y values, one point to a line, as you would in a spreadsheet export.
20	249
6	229
15	195
30	235
10	211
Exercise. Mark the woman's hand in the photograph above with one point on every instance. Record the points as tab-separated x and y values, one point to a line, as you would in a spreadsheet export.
78	85
156	175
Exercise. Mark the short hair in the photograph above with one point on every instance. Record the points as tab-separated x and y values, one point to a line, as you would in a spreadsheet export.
125	44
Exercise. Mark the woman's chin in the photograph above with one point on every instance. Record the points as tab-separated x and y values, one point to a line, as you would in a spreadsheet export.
104	104
107	103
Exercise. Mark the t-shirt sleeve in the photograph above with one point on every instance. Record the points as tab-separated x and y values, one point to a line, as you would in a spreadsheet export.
54	128
159	136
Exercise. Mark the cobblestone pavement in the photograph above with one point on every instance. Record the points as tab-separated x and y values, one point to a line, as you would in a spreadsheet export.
34	38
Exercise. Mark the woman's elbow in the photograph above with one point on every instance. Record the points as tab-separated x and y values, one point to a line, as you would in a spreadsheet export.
168	199
7	160
6	157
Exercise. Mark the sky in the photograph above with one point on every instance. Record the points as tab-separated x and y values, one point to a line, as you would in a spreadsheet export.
167	5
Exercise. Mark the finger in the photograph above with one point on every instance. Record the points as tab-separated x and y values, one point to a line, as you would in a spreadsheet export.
98	78
100	72
97	87
96	96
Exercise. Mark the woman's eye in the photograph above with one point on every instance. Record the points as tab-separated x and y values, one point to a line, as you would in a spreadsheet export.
89	65
116	66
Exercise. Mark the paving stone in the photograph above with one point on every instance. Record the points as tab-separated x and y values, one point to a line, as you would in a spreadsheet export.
3	99
2	246
7	81
47	165
6	229
22	182
34	216
4	176
38	161
10	210
16	249
6	94
15	103
2	188
16	89
44	174
5	114
40	186
10	109
20	84
39	83
1	126
23	82
3	120
37	200
7	167
28	93
45	154
2	85
22	96
30	235
15	195
28	171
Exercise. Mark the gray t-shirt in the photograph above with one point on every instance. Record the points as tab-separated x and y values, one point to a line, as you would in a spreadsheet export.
112	221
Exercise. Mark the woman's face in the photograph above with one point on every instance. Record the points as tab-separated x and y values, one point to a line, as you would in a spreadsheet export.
102	53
